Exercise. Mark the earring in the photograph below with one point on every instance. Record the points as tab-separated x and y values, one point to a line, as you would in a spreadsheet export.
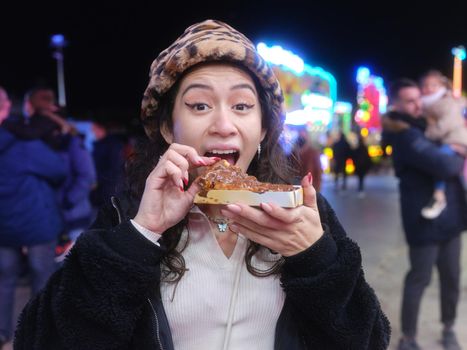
259	150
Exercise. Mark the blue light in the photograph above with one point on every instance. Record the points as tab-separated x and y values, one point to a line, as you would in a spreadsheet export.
379	82
277	55
363	74
57	40
459	52
342	107
383	102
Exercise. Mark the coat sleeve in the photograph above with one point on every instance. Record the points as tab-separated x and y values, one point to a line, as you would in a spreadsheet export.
332	303
44	162
83	172
96	299
419	152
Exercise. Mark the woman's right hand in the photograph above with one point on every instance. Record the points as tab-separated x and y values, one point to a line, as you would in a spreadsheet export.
165	202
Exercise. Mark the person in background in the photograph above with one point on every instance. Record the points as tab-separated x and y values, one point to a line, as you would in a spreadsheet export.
109	155
308	159
445	124
417	163
341	152
43	121
30	215
157	271
362	163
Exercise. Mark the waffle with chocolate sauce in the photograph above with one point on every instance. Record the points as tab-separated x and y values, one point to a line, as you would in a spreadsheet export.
223	176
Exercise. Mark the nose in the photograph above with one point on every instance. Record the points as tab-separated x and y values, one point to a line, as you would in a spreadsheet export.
223	123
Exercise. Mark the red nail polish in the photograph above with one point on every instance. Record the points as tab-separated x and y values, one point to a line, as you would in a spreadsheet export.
185	181
310	178
181	189
216	158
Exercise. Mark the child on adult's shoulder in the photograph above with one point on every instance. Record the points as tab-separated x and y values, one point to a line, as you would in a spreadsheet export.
446	124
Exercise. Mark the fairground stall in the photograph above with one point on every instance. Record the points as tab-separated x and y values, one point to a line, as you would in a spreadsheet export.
310	95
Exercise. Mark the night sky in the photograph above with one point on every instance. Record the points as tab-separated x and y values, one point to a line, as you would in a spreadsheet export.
111	46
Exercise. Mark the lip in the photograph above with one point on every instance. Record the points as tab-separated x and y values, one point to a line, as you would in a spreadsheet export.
224	147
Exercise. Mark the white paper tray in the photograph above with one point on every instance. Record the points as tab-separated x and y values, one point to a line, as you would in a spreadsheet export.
289	199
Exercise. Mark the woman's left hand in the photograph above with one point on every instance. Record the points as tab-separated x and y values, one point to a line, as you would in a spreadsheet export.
283	230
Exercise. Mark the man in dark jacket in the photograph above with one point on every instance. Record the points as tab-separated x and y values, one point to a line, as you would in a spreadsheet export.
418	164
30	216
42	121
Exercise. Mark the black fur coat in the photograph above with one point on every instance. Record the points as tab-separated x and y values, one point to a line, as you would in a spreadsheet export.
101	297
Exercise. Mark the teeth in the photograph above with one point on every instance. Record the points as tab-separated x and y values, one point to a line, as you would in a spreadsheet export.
215	151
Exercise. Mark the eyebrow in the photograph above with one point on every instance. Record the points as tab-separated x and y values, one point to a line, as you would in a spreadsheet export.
243	86
196	86
207	87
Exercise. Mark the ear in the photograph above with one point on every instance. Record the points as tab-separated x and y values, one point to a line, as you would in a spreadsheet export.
167	133
263	134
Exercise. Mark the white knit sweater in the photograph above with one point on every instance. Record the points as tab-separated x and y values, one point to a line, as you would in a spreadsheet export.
197	307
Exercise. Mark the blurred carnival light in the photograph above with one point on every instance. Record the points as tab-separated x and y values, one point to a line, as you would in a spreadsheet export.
58	42
459	56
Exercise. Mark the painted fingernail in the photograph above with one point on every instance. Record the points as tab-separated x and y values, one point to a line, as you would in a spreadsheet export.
310	178
266	207
185	181
234	208
216	158
201	161
181	185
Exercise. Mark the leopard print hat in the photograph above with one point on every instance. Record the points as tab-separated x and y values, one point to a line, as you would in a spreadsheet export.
208	41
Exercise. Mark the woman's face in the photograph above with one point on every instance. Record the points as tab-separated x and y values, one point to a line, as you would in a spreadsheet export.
217	112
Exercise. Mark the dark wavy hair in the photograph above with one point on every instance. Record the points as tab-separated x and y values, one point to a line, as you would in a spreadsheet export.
272	166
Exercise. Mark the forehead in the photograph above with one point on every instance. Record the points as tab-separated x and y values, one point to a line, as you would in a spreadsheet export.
217	73
409	93
432	79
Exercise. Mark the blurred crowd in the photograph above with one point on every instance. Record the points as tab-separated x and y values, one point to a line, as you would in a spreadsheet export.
51	186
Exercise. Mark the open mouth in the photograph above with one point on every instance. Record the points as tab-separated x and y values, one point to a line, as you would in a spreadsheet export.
229	155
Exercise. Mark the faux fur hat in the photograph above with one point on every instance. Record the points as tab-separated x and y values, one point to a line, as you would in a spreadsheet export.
208	41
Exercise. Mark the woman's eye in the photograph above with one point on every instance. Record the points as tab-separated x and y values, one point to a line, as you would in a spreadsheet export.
198	106
243	106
